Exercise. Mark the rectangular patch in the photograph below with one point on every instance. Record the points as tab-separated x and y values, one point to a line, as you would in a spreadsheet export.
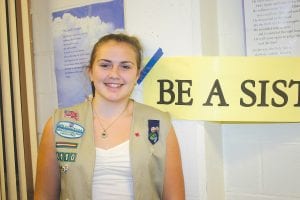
66	156
153	131
66	145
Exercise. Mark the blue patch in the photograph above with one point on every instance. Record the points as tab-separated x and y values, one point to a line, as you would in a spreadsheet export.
69	129
153	131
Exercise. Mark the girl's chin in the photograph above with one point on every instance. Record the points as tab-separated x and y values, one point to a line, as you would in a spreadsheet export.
113	98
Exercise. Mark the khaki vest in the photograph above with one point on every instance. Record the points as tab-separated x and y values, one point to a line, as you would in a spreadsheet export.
76	152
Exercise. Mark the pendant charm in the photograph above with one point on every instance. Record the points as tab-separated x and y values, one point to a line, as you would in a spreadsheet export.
104	135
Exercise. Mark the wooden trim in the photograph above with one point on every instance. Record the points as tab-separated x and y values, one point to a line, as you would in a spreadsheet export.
18	136
27	93
17	100
27	38
2	175
7	107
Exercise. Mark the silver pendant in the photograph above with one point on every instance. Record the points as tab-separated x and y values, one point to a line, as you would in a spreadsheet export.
104	135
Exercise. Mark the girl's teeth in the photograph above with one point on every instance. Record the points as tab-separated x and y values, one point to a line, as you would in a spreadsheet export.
114	85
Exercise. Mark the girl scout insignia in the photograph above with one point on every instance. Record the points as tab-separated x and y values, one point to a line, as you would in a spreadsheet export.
153	131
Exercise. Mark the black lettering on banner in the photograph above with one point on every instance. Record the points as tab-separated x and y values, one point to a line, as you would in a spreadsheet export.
280	93
263	95
181	91
167	87
249	93
216	91
278	88
292	82
269	93
163	90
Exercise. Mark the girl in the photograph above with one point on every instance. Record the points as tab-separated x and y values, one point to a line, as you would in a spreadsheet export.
110	147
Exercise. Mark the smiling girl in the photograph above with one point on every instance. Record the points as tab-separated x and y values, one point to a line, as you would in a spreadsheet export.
115	148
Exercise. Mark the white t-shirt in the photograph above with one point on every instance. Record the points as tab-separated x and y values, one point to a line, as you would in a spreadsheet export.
112	174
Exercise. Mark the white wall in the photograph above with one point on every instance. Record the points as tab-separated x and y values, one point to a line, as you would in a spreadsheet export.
43	59
261	161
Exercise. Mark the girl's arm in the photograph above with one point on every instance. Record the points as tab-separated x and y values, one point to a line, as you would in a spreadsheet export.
47	184
174	181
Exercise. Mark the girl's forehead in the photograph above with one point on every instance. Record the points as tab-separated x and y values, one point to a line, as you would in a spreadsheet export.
115	48
113	43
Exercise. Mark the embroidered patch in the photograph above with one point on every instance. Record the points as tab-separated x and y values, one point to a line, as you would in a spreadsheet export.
66	145
153	131
68	129
66	156
64	168
71	114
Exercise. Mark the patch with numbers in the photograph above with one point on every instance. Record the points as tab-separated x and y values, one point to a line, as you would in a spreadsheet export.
69	145
66	156
69	130
153	131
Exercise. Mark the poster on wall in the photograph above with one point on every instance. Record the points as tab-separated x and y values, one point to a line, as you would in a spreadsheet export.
75	31
272	27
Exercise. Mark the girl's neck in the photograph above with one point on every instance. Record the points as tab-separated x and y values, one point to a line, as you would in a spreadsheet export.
109	109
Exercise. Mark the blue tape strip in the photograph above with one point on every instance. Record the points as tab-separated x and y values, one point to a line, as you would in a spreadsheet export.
153	60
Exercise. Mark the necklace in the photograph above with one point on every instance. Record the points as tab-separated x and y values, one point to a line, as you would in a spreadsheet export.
104	134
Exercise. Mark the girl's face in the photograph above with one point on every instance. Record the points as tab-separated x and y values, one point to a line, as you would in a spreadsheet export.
114	71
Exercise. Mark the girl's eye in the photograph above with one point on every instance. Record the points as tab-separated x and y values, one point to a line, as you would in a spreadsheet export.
104	65
126	66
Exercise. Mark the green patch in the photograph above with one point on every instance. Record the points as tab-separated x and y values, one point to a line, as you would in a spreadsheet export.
66	156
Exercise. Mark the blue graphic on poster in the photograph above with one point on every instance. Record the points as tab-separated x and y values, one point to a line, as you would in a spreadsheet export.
75	31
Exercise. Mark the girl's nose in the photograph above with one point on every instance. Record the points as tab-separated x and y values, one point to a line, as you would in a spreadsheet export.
114	72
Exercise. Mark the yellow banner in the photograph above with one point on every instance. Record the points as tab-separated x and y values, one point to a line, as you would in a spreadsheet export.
237	89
